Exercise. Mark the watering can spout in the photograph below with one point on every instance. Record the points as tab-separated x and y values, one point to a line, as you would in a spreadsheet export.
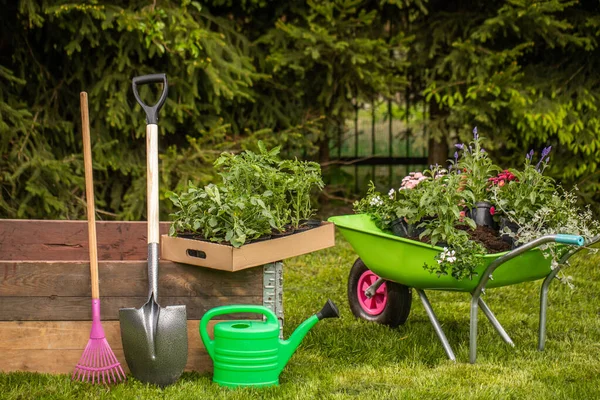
288	347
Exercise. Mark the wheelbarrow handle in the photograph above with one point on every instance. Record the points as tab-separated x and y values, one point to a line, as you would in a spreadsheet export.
151	111
575	240
570	239
230	309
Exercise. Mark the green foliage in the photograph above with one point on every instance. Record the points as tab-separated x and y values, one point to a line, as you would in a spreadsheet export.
288	73
283	72
220	215
477	167
520	199
525	71
260	193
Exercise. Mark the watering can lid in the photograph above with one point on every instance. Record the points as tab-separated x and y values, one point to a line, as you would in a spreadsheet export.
246	329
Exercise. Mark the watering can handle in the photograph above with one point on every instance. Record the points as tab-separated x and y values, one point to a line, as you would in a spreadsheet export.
151	111
236	308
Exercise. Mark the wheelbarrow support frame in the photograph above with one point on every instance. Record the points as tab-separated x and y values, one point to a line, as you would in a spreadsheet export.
487	275
477	302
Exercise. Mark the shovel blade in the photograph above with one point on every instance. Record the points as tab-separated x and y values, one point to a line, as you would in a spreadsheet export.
155	342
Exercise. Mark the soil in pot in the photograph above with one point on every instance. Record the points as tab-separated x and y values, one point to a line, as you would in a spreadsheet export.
307	224
260	239
289	229
488	237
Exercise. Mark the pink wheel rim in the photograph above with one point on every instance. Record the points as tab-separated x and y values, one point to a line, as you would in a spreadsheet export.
376	304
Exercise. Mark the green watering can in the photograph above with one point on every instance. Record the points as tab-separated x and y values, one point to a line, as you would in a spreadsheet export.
249	352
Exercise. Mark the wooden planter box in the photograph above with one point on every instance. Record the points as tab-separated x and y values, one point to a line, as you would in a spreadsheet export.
45	294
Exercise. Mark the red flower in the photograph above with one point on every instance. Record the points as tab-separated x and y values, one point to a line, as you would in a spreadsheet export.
493	210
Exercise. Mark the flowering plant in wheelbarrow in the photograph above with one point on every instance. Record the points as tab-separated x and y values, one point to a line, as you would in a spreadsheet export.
476	208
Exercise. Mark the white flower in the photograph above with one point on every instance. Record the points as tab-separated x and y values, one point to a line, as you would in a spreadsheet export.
391	193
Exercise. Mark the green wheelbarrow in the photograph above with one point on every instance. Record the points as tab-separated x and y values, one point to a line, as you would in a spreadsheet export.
388	267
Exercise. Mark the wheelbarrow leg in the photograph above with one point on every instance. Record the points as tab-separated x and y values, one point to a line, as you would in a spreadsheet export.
544	309
436	325
546	286
473	330
488	313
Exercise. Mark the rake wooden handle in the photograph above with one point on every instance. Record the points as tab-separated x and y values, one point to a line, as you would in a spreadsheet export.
89	193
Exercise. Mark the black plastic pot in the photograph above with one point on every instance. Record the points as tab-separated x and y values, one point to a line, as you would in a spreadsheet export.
313	223
481	214
414	230
505	222
400	227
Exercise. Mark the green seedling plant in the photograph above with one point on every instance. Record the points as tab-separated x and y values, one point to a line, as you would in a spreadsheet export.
260	195
303	176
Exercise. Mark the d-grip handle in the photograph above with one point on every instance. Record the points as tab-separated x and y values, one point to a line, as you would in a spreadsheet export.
236	308
151	111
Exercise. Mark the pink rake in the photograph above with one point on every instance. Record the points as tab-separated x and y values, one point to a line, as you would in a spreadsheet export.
98	361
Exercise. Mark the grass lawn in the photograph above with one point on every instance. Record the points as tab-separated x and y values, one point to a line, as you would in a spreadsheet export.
348	358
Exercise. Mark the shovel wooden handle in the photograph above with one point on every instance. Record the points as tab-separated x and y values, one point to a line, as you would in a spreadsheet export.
89	193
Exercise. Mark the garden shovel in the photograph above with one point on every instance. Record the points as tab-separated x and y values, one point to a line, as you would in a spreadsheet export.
154	337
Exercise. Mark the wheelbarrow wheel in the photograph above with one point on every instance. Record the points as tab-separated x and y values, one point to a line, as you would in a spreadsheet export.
389	306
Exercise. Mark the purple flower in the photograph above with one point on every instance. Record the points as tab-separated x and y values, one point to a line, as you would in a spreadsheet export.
529	155
456	156
459	146
546	151
475	135
547	160
483	150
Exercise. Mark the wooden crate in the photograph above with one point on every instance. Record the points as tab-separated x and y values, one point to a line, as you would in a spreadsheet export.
45	294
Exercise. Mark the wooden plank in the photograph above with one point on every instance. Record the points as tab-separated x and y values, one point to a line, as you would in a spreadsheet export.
68	240
73	335
122	279
56	346
64	361
55	308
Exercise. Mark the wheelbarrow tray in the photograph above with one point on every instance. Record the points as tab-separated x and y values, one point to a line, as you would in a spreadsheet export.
401	260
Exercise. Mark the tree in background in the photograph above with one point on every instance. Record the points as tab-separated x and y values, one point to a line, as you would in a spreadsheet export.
238	71
523	71
282	71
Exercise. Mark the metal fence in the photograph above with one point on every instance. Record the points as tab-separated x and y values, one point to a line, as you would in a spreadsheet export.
384	141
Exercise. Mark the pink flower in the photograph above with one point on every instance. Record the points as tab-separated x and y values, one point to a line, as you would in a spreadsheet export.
493	210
